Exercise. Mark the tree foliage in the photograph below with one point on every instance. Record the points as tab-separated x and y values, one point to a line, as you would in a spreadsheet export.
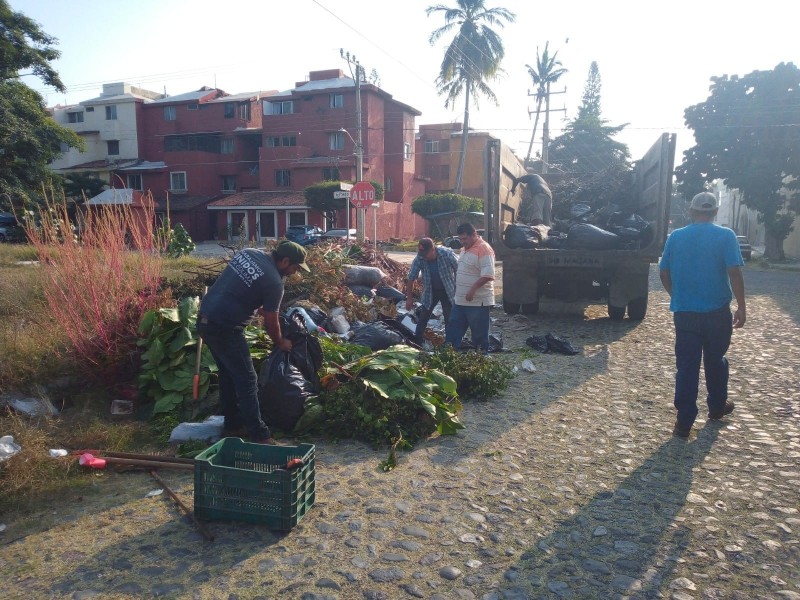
471	59
433	204
587	145
548	70
319	196
29	137
747	133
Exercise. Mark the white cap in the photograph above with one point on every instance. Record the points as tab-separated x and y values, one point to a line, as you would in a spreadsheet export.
704	202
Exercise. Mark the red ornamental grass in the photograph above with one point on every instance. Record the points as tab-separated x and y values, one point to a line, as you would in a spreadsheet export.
100	282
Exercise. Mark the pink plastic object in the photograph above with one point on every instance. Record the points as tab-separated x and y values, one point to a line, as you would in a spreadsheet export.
90	460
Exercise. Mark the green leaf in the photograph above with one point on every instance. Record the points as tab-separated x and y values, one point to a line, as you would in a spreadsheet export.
445	382
182	339
167	402
146	324
170	314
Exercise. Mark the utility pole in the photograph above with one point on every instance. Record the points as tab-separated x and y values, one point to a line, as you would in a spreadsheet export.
546	131
352	63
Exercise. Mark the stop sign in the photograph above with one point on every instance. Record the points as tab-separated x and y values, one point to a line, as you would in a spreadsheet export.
362	195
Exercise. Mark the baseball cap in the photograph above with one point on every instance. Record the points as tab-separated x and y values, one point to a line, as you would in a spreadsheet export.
704	202
294	252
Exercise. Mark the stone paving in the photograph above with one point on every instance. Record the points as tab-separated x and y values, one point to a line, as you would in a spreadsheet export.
570	485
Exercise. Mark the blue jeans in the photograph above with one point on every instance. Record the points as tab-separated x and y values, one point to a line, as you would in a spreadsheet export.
474	318
706	336
425	314
238	382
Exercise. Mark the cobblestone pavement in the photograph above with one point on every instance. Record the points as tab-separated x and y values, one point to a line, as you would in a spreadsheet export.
570	485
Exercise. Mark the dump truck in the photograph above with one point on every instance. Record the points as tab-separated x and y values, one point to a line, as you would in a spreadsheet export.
619	277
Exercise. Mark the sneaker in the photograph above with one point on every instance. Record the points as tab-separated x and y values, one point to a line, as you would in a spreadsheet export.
680	431
726	410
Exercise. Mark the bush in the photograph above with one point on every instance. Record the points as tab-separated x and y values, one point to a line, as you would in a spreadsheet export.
477	376
433	204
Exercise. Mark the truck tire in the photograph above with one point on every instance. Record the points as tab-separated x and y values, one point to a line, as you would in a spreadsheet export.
530	309
637	309
616	313
511	308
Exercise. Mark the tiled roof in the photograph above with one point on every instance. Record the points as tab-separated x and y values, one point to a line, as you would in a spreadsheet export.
180	202
145	165
259	199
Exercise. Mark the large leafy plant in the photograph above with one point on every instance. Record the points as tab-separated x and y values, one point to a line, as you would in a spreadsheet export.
385	396
168	363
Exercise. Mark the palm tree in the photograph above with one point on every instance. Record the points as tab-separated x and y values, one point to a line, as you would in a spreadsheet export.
472	58
548	70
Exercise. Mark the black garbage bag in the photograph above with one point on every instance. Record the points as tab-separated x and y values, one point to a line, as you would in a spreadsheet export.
537	342
559	345
376	336
523	236
392	293
282	391
362	291
631	227
591	237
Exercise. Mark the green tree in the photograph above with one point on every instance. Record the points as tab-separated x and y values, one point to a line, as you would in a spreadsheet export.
29	137
548	70
587	145
471	59
746	133
79	185
319	196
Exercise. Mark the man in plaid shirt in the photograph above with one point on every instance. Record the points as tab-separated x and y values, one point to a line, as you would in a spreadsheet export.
438	266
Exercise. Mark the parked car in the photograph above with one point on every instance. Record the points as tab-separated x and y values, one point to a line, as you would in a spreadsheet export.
744	246
10	230
337	235
303	234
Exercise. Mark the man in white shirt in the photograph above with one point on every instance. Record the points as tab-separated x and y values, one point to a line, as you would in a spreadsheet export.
474	296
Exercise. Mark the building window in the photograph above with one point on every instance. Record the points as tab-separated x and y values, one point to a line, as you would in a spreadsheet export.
275	141
336	140
230	110
90	109
111	112
113	147
192	106
296	217
407	151
387	184
228	183
170	113
444	172
337	101
431	146
75	117
279	108
64	147
196	142
226	146
283	177
244	111
177	181
135	182
331	174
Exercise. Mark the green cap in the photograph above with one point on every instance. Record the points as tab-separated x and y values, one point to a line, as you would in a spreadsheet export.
294	252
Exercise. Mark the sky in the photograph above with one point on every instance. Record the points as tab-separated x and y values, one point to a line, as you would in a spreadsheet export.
654	59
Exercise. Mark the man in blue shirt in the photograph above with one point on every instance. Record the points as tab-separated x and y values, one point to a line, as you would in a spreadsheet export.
701	271
438	266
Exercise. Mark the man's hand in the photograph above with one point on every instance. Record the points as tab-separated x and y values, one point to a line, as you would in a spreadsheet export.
739	317
470	294
284	344
409	302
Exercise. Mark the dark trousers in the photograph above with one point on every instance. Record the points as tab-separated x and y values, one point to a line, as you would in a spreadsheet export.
474	318
426	311
238	382
706	336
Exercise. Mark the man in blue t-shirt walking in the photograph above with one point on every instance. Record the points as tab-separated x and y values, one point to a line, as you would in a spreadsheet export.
701	271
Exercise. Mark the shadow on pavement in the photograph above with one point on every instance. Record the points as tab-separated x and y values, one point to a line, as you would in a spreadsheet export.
624	541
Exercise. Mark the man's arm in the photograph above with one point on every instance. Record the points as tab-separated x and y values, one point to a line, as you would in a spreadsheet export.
409	294
666	280
482	281
737	285
273	327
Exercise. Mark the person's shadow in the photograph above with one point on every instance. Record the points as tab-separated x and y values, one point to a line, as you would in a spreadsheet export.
623	542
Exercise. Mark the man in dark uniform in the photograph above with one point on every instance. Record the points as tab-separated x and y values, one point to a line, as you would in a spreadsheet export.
253	280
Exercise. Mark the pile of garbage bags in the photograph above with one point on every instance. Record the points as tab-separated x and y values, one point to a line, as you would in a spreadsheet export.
366	282
605	229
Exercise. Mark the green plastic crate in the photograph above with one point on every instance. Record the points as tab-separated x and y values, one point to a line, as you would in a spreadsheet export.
237	481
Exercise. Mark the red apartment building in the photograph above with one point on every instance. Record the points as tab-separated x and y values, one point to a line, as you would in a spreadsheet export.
197	147
304	143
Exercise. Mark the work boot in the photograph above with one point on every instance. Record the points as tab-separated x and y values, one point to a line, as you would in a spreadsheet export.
726	410
681	431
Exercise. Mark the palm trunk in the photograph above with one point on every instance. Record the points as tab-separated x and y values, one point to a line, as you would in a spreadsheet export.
535	126
464	141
